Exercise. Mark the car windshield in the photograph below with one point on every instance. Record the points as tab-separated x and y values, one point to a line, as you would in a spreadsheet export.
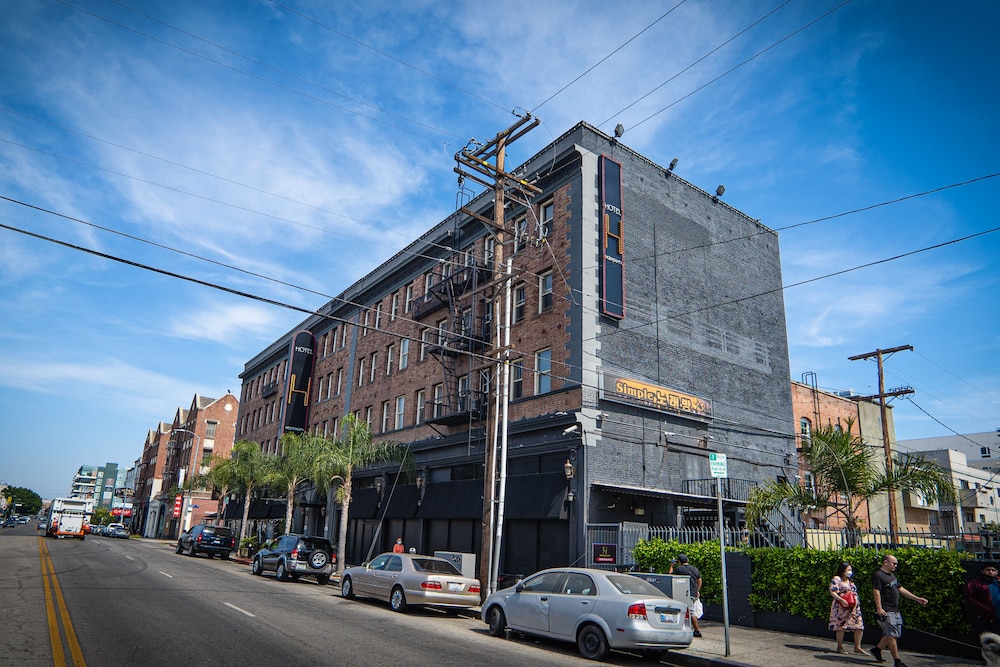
434	565
310	545
221	531
630	585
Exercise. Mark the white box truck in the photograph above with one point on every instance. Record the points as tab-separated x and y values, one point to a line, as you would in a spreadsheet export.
68	517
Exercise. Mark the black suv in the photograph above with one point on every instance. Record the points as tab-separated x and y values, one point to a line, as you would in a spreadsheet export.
293	556
206	539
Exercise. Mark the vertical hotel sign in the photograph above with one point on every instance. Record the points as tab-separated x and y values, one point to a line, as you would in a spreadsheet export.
612	239
300	368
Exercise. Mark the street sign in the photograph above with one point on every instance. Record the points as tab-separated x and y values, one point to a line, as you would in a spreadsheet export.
717	464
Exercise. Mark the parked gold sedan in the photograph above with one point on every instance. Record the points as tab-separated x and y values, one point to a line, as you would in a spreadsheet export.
411	579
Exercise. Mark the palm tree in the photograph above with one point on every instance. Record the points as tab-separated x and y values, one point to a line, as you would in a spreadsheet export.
339	458
296	464
846	474
246	469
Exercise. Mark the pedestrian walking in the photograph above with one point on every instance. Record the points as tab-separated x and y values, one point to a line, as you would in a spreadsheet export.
845	609
887	589
682	566
979	601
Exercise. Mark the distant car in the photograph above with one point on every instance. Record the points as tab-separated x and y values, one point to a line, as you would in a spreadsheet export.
598	610
207	539
411	579
294	556
9	523
119	531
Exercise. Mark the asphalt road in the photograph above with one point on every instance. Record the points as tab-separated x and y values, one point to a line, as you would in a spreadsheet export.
135	602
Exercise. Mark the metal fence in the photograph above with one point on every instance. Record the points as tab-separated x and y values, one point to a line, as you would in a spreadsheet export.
610	545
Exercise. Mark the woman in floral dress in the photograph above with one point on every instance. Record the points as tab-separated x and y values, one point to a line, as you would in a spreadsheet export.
843	615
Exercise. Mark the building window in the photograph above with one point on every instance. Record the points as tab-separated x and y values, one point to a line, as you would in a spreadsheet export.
400	411
520	234
386	416
428	284
442	329
340	380
516	379
322	386
364	329
343	336
805	429
489	252
543	372
378	316
519	293
368	415
984	452
210	427
336	426
408	299
418	415
373	371
545	215
394	308
361	372
544	291
404	353
425	339
390	359
438	399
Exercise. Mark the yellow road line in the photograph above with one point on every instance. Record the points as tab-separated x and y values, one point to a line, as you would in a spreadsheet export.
54	593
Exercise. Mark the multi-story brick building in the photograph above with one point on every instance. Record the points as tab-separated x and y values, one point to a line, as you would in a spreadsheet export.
175	452
647	330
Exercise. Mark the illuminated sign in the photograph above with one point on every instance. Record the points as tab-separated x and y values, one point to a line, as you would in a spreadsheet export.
612	239
295	408
626	390
178	503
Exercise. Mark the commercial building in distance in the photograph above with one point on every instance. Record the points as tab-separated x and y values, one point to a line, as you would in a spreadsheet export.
647	331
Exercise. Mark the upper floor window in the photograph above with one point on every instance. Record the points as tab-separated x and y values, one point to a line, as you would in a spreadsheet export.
984	452
390	359
425	340
210	427
400	411
364	331
394	308
489	252
544	291
419	404
545	216
378	316
543	371
805	429
519	297
373	372
386	416
404	353
516	379
408	299
520	233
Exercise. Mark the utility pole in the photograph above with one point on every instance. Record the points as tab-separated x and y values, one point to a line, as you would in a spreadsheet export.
487	161
882	395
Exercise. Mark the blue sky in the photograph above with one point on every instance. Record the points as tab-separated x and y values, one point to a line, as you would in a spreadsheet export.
308	141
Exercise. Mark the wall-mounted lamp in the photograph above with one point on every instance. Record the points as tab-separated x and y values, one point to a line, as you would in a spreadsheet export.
569	470
668	434
575	428
378	485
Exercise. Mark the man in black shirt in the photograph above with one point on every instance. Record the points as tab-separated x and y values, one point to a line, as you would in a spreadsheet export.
686	568
886	589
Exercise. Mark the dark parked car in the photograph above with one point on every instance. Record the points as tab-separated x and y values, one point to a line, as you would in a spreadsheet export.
207	539
293	556
120	532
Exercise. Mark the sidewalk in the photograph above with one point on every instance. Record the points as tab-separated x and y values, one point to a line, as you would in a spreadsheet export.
753	647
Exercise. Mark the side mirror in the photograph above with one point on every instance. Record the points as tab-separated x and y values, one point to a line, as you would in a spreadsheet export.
518	587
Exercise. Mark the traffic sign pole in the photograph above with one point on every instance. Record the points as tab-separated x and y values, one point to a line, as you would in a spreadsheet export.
720	470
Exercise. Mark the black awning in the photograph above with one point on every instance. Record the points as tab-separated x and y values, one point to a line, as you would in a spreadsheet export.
682	499
364	504
402	503
259	509
540	496
453	500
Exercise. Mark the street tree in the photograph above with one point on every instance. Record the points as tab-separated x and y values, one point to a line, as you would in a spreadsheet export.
338	460
245	470
295	464
25	501
846	474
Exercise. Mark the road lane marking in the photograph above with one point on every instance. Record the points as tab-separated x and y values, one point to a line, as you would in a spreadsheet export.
164	574
54	599
129	557
242	611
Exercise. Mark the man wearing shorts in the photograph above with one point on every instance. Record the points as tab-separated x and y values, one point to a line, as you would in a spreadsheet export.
887	590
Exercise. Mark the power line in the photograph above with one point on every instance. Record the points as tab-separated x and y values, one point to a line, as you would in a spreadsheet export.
595	65
733	69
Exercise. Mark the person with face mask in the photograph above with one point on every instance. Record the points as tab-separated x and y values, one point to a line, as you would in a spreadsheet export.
845	610
398	547
979	601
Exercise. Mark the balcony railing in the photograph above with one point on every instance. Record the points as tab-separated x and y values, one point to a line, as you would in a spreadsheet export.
732	489
458	410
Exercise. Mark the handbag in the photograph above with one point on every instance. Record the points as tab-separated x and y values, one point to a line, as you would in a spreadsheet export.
697	609
850	599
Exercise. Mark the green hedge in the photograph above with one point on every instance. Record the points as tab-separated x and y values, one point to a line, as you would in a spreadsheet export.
797	580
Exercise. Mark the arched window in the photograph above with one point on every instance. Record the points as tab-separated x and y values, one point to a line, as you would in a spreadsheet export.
805	429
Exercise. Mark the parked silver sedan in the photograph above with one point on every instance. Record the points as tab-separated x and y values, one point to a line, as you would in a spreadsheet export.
411	579
597	609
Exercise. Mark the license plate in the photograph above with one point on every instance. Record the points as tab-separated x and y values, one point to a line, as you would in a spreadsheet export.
452	586
668	618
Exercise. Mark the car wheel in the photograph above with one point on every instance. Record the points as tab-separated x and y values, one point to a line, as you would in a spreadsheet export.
178	549
257	567
347	588
592	643
191	552
323	579
497	622
226	556
397	600
281	573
